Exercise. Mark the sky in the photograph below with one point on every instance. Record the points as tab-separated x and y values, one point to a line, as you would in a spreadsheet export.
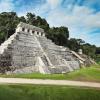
82	17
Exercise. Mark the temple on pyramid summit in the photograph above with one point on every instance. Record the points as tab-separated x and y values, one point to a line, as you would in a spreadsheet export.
28	51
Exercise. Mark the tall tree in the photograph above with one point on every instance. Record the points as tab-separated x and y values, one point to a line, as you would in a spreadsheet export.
22	19
89	49
59	35
73	44
8	23
31	18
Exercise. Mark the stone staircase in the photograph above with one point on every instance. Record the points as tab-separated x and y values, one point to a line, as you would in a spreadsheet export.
60	57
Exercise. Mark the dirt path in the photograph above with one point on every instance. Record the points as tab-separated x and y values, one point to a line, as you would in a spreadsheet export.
48	82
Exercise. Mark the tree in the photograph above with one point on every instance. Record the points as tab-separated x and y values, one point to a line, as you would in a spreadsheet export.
97	50
59	35
31	18
89	50
80	41
73	44
8	23
22	19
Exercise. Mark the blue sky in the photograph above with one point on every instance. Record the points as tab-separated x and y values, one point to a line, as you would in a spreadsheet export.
82	17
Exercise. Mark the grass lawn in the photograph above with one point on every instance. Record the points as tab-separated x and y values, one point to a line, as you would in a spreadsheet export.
84	74
38	92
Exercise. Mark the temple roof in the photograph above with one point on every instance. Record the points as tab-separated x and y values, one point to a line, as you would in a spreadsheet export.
31	27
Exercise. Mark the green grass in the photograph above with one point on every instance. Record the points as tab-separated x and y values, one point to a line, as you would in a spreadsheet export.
37	92
84	74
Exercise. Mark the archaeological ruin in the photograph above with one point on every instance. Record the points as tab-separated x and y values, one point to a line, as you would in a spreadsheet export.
28	50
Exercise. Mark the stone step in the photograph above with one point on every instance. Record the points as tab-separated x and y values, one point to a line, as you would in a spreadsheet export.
4	45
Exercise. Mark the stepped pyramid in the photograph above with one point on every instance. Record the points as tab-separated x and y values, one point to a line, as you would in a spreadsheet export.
28	50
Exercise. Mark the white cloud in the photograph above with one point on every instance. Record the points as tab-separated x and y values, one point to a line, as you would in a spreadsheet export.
54	3
48	6
81	21
33	7
6	5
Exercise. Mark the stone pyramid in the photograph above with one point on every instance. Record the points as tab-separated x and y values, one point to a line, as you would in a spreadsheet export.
28	50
